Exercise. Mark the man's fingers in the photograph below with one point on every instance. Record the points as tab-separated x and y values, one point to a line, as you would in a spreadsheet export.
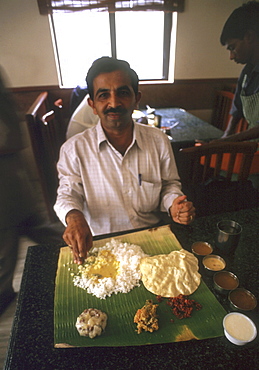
78	253
180	199
74	249
186	214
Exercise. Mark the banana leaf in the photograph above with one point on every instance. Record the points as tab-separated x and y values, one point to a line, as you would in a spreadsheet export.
70	301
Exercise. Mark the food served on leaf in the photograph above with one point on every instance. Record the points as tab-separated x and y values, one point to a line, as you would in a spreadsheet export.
113	268
91	322
146	317
182	306
169	275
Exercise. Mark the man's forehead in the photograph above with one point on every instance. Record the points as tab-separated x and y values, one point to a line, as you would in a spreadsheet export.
117	80
113	76
230	42
233	41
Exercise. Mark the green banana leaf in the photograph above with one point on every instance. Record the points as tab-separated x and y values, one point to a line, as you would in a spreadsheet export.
70	301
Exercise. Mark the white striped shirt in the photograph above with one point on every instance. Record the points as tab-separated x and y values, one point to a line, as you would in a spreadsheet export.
117	192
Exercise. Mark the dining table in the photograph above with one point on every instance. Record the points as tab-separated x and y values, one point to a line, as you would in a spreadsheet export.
184	130
31	344
182	126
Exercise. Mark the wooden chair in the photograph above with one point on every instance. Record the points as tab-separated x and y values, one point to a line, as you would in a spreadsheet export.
222	105
217	150
209	182
221	115
47	135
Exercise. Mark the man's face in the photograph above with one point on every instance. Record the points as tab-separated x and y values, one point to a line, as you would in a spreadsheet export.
240	50
114	99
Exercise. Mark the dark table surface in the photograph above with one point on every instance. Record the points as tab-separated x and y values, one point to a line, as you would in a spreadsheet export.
187	126
32	337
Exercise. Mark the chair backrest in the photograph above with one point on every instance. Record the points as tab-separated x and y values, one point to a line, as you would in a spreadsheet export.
47	135
223	102
221	112
205	185
206	161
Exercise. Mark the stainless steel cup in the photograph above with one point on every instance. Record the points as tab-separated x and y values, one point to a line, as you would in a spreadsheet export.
228	236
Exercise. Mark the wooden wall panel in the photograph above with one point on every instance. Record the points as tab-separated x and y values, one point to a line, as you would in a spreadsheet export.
187	94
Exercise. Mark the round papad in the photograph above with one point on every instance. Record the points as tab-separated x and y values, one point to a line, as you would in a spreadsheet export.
171	274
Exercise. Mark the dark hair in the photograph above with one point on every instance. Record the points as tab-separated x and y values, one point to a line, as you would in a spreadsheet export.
106	65
241	20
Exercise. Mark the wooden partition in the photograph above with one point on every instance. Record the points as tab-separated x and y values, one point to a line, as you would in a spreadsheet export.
188	94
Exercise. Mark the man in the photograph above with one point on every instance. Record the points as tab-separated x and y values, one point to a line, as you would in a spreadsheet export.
117	175
240	34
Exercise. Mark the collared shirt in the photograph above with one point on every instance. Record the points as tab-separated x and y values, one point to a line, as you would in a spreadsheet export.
251	87
117	192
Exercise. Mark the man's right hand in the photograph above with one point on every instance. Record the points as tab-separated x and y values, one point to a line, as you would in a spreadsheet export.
78	235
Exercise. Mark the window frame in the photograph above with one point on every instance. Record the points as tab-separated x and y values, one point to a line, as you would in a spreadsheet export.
170	19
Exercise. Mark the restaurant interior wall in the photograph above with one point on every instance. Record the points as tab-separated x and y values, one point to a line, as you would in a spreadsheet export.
27	54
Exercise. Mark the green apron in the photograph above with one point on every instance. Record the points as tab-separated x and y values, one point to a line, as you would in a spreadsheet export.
250	105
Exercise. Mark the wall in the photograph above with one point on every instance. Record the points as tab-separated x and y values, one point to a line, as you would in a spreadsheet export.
199	53
25	44
28	59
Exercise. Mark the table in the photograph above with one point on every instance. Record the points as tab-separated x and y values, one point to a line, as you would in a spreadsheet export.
189	127
186	130
31	341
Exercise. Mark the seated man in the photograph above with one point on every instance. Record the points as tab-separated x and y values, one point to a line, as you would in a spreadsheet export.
117	175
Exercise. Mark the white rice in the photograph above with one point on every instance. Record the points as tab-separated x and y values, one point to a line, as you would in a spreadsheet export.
129	275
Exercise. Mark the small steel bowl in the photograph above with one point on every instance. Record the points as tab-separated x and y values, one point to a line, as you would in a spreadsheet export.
225	281
201	249
213	263
242	300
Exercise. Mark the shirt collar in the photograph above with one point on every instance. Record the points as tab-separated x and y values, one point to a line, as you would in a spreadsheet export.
101	137
137	137
252	68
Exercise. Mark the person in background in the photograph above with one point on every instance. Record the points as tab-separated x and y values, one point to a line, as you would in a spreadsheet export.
14	202
240	35
81	119
77	95
118	175
18	212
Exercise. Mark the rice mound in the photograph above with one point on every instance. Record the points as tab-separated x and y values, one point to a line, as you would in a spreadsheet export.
129	256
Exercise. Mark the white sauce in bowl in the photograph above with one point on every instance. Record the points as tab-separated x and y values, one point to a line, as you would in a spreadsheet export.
239	327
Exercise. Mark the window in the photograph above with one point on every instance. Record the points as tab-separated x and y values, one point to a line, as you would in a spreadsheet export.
145	39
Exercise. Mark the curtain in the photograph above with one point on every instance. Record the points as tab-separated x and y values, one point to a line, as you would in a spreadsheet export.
50	6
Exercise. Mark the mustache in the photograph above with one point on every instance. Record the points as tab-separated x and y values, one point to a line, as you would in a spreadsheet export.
115	110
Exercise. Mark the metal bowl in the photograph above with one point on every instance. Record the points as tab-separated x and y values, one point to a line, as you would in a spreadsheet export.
242	300
225	281
201	249
213	263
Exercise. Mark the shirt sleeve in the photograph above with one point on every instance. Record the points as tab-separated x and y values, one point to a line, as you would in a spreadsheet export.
70	194
171	185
